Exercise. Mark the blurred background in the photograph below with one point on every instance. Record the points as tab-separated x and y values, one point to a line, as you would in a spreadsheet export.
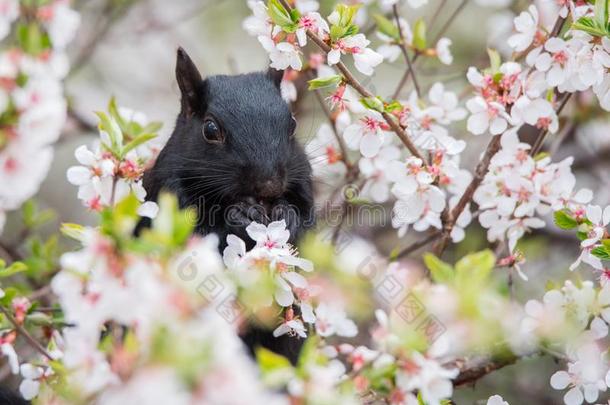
127	49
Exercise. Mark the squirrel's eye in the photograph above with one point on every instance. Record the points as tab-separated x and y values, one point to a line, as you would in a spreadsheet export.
211	132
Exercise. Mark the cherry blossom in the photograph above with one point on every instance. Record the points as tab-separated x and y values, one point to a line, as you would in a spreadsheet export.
272	253
599	221
584	377
365	59
332	320
374	169
517	188
496	400
283	55
366	135
390	50
556	60
443	52
431	379
326	155
31	380
311	21
526	25
485	116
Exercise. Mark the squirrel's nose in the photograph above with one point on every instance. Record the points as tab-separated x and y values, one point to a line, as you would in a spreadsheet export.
271	188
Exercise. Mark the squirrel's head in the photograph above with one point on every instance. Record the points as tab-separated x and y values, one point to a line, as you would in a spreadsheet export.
235	134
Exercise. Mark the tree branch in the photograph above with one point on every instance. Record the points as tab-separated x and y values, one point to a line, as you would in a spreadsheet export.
418	245
332	122
21	330
349	78
403	48
405	77
479	174
473	371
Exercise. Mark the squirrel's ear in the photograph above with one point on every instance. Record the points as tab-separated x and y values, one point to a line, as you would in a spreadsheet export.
189	81
275	76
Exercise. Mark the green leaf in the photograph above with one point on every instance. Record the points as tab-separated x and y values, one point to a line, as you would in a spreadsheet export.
73	231
387	27
111	127
343	25
419	34
441	272
152	127
564	220
269	361
601	12
113	110
14	268
322	82
601	253
347	13
541	155
590	26
393	106
276	369
28	212
373	103
495	60
280	16
137	141
39	319
474	268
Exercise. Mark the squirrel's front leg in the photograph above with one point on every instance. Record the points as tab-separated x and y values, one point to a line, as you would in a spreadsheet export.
297	217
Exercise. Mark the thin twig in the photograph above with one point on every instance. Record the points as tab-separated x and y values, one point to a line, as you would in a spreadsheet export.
417	245
349	78
403	48
405	77
471	373
112	13
9	252
332	122
479	174
450	21
21	330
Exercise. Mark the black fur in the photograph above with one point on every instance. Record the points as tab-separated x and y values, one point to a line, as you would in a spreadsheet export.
260	173
9	397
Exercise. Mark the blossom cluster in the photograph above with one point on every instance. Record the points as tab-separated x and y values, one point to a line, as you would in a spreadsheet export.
587	308
32	103
518	188
109	355
115	167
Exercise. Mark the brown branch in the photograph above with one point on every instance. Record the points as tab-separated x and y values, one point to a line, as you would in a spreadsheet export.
473	371
21	330
403	48
418	245
479	174
107	16
332	122
9	252
349	78
405	77
450	21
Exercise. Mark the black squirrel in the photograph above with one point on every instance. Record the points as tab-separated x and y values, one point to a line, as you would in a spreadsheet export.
233	156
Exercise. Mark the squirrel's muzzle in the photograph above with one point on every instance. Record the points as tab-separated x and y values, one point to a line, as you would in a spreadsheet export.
271	188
